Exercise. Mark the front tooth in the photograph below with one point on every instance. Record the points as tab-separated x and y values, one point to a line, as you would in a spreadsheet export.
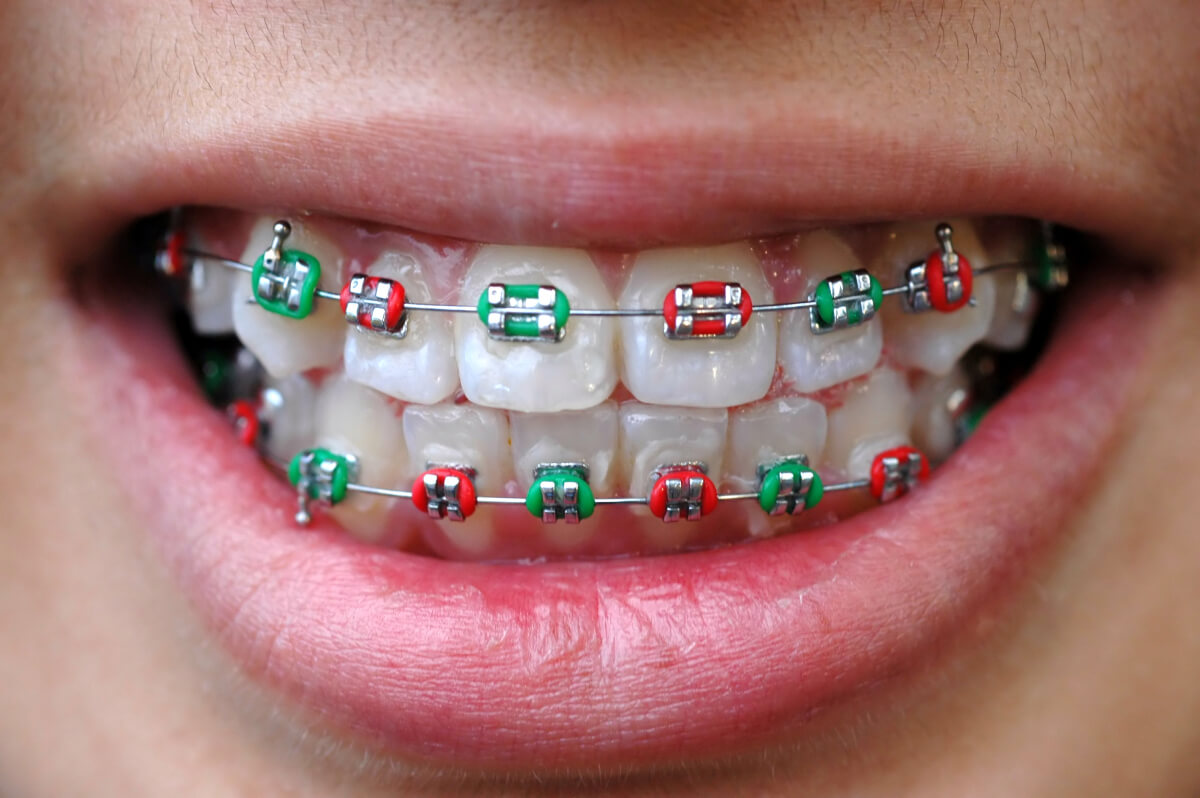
815	362
210	293
770	430
417	368
353	419
1007	241
711	372
285	345
575	436
656	435
462	435
288	408
939	403
932	341
876	415
574	373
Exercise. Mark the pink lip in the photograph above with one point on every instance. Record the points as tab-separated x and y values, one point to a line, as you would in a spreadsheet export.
569	665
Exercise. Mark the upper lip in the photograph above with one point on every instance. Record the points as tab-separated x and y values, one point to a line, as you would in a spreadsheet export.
634	182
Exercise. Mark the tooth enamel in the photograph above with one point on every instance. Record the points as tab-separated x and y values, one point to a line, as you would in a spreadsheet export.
875	415
770	430
575	373
1016	301
655	435
210	293
462	435
702	372
284	345
574	436
932	341
815	362
353	419
937	403
288	411
417	368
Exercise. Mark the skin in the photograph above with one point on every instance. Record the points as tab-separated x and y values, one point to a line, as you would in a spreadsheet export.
1083	684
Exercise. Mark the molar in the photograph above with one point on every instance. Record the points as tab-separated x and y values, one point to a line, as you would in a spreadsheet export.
875	415
353	419
210	292
769	430
706	372
1009	241
932	341
815	362
575	373
285	345
417	368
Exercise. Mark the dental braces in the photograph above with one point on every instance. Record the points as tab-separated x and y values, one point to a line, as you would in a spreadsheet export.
560	491
285	282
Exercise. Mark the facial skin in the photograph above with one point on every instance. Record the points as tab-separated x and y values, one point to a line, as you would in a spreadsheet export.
1083	683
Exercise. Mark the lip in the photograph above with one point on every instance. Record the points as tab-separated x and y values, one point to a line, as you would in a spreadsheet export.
567	665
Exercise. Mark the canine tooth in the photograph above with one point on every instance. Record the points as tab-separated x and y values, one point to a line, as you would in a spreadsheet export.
353	419
815	362
708	372
876	415
210	293
574	436
466	435
770	430
288	409
937	403
655	435
417	368
932	341
575	373
284	345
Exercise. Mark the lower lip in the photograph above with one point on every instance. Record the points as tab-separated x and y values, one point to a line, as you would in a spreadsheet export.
578	664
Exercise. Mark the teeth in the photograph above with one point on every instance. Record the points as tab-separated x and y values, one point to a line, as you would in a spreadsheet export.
932	341
284	345
815	362
417	368
654	435
938	403
576	436
288	408
703	372
210	293
875	416
770	430
573	374
1016	301
453	434
353	419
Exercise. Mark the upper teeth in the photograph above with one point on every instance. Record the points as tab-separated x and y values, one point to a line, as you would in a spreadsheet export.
733	365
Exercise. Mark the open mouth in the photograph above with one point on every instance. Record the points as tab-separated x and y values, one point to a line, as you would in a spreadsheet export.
648	572
587	402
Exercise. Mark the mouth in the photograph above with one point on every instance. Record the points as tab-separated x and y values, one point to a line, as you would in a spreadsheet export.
842	505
